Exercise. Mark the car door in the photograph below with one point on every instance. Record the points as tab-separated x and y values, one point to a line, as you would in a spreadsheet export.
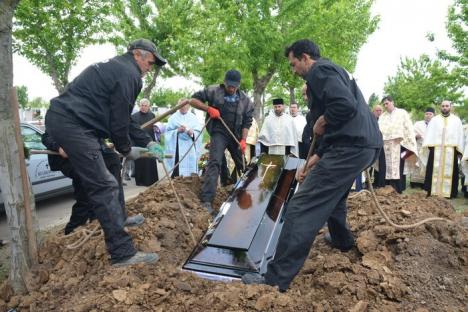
45	183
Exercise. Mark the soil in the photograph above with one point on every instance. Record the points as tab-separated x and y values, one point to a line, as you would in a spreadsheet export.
422	269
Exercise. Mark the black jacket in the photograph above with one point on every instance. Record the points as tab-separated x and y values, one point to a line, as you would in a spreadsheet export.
332	92
102	97
214	96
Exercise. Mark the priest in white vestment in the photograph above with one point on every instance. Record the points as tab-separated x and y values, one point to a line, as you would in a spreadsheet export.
299	122
442	146
182	128
278	135
418	172
464	163
399	143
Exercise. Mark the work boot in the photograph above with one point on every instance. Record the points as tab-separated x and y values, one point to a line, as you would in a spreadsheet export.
135	220
328	240
253	278
139	257
209	208
256	279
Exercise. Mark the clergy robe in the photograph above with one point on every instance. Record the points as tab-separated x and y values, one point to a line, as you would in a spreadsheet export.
443	143
146	169
279	135
251	140
178	143
464	164
399	146
418	172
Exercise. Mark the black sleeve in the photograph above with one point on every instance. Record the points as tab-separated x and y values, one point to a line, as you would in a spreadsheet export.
202	95
49	143
334	92
121	99
138	136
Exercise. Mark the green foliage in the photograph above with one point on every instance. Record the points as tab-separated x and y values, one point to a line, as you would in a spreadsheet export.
373	100
165	22
423	82
167	97
22	93
38	102
52	33
251	36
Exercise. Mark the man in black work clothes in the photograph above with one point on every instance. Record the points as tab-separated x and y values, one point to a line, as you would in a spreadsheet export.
96	105
236	109
348	142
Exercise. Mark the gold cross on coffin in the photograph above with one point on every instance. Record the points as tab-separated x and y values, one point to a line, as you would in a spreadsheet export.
270	165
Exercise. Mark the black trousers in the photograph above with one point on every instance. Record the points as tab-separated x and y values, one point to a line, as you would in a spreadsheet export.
320	198
82	211
100	186
146	171
218	144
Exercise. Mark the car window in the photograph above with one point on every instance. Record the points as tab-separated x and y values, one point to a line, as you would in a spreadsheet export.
32	138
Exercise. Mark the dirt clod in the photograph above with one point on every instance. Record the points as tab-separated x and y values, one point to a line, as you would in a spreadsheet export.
421	269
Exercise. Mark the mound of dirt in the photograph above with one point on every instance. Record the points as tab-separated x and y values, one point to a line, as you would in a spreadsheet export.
422	269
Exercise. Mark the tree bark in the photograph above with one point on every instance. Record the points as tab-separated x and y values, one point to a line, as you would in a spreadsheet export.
292	96
10	172
259	86
150	86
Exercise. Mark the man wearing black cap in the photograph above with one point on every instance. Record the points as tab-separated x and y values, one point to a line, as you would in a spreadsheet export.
417	173
348	142
235	108
97	105
278	135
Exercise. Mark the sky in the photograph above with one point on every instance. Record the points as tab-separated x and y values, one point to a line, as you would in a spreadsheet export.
401	33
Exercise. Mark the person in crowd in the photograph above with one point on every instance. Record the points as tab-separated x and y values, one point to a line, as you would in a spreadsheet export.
348	141
228	102
252	138
307	131
418	172
399	143
443	143
146	169
278	135
96	105
182	129
377	111
299	122
464	164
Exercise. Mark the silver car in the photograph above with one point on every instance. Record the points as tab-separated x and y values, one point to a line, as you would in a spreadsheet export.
45	183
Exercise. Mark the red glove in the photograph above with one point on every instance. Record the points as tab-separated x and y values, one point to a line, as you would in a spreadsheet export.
213	112
243	145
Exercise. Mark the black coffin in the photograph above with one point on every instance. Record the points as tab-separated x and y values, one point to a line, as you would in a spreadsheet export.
243	236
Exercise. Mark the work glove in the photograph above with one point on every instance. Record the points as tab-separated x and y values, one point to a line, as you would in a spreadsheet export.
156	149
136	153
213	112
243	145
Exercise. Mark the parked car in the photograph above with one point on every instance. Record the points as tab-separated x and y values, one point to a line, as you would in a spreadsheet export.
45	183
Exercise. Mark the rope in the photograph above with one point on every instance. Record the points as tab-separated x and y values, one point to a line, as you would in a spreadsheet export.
87	235
182	211
386	217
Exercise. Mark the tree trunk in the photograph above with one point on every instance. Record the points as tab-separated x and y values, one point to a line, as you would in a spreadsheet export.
259	86
10	171
150	86
292	96
58	84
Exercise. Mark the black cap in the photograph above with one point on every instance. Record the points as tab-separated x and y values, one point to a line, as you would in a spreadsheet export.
430	110
232	78
278	101
145	44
